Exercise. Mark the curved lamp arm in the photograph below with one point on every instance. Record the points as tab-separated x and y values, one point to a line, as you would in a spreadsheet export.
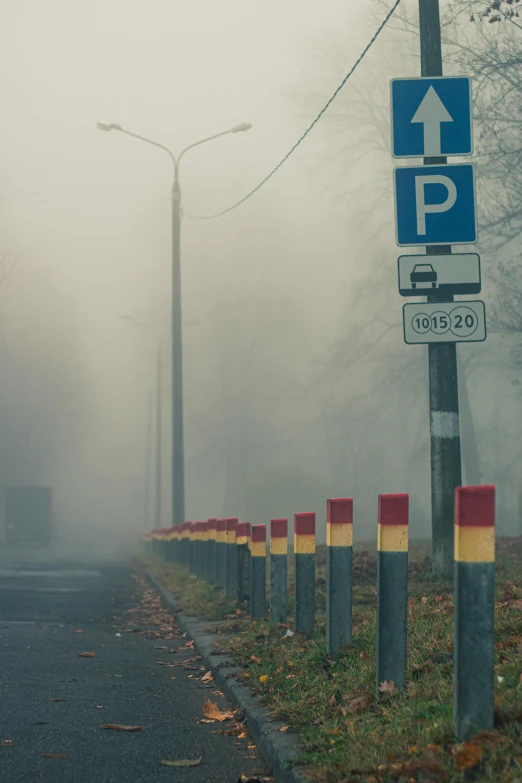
108	126
244	126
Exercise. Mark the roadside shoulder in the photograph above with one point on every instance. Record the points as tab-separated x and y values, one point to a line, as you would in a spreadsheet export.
280	751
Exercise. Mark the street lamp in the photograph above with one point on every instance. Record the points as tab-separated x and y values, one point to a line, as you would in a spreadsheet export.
178	460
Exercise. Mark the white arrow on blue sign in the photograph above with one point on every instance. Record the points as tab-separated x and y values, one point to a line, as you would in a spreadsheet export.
431	116
435	205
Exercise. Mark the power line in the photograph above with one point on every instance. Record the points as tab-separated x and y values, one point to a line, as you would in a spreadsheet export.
312	124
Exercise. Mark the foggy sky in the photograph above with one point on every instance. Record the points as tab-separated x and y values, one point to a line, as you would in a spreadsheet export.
93	208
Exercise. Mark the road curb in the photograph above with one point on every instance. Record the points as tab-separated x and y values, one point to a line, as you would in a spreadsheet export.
280	750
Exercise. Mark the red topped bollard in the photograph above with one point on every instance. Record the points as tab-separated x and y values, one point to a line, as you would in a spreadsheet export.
474	655
392	590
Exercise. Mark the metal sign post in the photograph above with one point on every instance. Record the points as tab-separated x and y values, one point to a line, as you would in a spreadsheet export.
435	208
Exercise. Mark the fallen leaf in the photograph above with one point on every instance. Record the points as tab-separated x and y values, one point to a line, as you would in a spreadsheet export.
263	678
207	677
332	699
255	659
206	720
53	755
359	704
242	735
421	668
79	630
283	729
429	762
119	727
212	711
364	656
87	655
470	755
238	611
56	699
424	600
387	687
182	762
7	744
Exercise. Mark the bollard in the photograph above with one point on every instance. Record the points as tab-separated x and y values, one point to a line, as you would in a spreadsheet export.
197	549
248	566
392	590
171	547
339	546
171	543
204	550
231	560
192	548
258	573
164	531
211	550
181	544
166	542
304	573
185	545
278	570
474	610
175	543
221	527
243	561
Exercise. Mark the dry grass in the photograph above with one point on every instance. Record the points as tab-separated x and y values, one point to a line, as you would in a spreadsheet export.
346	734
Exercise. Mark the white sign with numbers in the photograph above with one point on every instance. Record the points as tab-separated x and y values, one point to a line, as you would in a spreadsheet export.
444	322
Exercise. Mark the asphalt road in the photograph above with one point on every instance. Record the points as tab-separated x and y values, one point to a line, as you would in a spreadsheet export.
44	602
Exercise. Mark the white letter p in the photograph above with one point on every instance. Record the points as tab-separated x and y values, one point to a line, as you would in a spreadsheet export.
422	208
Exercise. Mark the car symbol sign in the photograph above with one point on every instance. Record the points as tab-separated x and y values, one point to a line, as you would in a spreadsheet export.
451	274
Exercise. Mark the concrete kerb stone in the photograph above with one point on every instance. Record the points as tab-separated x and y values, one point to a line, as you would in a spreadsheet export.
279	750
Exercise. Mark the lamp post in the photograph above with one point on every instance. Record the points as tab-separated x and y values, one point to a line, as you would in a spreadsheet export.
178	459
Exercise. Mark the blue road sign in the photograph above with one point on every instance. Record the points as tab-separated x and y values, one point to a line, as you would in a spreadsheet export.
435	205
431	117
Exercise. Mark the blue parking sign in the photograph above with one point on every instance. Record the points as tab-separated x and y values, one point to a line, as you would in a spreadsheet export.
431	116
435	205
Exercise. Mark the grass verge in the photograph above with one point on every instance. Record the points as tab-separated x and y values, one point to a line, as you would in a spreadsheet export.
405	737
